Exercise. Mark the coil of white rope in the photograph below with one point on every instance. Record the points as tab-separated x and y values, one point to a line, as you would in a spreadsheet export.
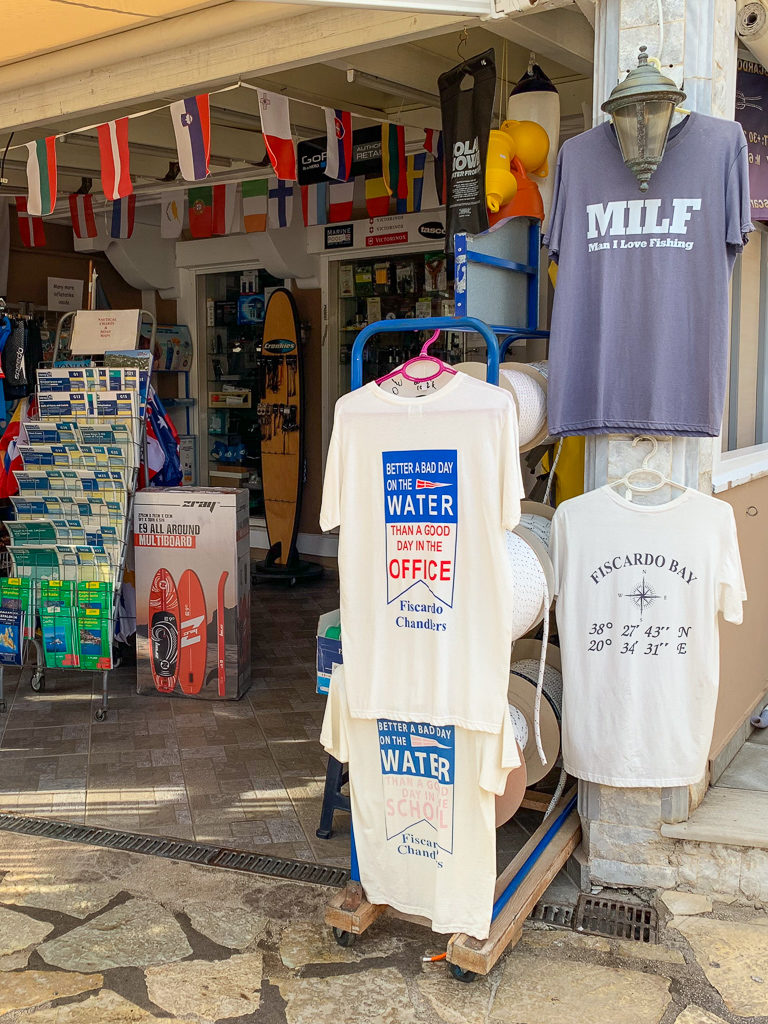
530	585
531	403
539	526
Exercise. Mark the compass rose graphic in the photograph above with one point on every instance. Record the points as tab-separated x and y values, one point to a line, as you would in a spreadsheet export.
642	596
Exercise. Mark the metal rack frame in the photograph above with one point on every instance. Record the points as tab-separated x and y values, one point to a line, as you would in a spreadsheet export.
38	678
517	889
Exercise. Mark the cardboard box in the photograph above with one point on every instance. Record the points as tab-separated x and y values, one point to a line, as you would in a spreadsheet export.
193	591
328	650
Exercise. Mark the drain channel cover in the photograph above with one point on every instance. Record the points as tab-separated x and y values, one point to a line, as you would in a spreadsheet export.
553	913
174	849
617	919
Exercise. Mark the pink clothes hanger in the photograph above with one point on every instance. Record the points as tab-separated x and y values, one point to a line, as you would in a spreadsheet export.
420	358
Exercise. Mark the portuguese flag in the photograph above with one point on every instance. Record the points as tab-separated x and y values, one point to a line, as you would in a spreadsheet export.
41	176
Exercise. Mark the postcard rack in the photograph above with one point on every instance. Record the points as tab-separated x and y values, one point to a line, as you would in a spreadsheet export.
81	453
522	883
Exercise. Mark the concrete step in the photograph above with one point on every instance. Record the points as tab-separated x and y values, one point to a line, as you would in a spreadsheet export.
748	770
734	817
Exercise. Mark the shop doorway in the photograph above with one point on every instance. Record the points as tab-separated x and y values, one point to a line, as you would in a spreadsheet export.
233	378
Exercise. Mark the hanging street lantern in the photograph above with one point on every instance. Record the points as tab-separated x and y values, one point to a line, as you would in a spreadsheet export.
641	107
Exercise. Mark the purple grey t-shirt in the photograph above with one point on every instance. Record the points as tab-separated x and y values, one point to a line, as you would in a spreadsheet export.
639	333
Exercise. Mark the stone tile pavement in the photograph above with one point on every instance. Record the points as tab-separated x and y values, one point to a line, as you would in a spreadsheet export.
247	774
95	936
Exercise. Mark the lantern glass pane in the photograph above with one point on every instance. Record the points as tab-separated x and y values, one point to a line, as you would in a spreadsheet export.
642	127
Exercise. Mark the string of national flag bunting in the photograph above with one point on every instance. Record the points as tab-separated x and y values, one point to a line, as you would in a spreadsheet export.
267	203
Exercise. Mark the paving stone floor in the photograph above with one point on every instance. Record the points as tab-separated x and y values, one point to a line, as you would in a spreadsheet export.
95	936
247	774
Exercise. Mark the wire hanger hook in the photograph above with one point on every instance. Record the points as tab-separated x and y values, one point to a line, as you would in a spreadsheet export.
463	40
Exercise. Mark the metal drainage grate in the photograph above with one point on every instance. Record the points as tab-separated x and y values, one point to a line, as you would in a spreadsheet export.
175	849
552	913
616	919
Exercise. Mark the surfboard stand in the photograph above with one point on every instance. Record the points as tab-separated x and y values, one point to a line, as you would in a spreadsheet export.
293	570
518	889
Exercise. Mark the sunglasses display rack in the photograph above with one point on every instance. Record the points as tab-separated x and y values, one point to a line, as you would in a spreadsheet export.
73	513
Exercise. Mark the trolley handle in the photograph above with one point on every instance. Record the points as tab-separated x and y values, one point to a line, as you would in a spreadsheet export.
460	325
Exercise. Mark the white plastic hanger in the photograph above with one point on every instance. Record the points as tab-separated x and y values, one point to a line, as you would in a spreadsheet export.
662	480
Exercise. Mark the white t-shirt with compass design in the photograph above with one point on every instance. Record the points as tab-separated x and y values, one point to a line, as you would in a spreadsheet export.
639	588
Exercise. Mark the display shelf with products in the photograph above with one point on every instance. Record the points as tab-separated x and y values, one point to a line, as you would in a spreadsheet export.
402	287
234	379
171	378
72	526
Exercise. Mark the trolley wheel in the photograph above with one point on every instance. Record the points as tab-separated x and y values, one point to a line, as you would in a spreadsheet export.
344	938
461	975
100	714
37	682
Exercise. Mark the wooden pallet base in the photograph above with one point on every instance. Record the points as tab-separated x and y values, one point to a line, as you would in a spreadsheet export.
479	955
349	911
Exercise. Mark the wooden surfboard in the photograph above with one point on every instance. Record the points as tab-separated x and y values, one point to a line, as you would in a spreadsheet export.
194	633
164	631
280	414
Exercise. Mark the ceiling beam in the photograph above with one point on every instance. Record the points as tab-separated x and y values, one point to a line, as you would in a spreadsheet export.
414	68
99	75
563	36
587	8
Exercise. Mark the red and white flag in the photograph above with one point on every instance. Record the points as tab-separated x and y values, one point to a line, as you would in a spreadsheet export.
83	220
223	208
30	228
276	129
342	198
115	159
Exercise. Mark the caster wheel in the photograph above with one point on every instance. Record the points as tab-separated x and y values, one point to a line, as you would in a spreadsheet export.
461	975
344	938
100	715
37	683
2	707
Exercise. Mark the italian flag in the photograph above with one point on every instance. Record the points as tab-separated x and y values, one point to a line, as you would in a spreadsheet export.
41	176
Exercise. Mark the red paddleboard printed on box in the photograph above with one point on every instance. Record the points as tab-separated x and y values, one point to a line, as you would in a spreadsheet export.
221	636
164	631
194	629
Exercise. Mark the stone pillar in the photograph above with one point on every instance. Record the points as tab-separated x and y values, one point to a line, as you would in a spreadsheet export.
622	836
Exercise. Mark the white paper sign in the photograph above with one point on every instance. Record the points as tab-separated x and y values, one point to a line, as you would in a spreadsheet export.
65	293
101	330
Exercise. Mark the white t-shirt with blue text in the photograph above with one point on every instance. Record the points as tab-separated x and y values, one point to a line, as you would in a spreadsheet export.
423	489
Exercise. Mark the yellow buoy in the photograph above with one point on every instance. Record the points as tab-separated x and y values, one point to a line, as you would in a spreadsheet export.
531	145
500	183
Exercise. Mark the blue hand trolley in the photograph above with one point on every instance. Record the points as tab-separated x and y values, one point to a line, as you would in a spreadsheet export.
526	877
